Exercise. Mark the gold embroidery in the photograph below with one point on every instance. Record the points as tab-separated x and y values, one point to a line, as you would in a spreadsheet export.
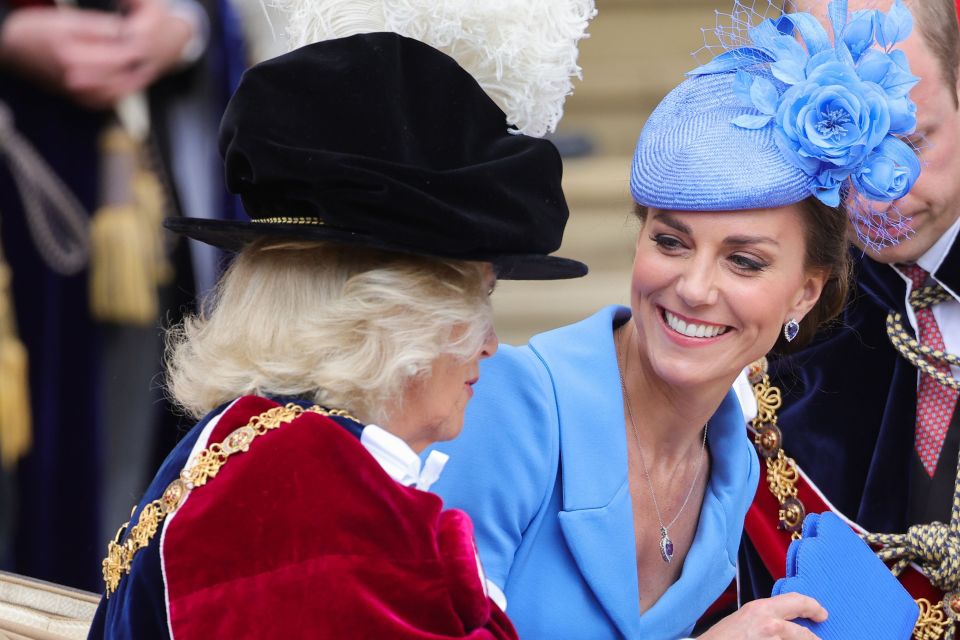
932	623
120	552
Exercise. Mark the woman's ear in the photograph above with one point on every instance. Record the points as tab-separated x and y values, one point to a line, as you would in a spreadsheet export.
808	294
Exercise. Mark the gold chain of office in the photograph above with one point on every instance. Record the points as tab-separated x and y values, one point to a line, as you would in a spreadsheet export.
198	472
782	474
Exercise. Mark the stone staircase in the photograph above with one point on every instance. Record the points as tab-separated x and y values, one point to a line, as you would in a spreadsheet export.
637	51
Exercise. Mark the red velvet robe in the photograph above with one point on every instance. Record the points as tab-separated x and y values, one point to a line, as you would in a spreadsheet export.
305	535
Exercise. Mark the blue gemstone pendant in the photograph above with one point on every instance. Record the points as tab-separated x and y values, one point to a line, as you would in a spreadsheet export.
666	546
791	329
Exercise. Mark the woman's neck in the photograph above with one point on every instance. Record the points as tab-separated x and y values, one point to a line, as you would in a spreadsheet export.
668	420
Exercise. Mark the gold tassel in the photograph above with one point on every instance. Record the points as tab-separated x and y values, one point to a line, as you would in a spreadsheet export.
148	196
15	415
127	255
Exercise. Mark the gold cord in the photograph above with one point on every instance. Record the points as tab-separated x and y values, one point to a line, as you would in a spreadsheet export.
936	546
915	353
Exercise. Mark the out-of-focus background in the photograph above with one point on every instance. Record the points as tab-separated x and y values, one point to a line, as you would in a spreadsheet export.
77	453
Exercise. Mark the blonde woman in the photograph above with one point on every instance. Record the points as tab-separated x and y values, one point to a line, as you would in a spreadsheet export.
344	339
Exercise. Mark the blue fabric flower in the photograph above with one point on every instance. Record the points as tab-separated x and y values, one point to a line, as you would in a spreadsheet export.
830	123
835	107
858	34
892	72
889	171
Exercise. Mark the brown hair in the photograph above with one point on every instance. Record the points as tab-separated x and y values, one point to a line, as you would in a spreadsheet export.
937	20
825	235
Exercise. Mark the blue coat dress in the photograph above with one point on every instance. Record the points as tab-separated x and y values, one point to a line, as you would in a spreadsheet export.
541	467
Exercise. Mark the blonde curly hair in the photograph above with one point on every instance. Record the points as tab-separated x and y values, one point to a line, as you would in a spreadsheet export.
341	326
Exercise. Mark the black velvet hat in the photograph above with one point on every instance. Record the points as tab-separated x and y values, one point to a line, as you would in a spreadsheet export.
382	141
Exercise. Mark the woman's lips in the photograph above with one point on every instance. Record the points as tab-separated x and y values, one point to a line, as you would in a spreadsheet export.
691	327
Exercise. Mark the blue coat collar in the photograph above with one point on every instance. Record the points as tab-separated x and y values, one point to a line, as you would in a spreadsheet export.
597	516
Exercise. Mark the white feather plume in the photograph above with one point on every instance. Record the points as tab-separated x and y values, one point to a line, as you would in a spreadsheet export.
522	52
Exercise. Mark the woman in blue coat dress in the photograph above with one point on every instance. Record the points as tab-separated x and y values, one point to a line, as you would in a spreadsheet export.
605	464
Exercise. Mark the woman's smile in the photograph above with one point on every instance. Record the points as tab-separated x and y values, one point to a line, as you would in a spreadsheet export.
688	331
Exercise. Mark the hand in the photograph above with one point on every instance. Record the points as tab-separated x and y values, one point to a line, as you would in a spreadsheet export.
769	619
63	48
96	58
157	37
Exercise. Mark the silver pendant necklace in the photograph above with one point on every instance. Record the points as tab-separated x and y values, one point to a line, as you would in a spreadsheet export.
666	544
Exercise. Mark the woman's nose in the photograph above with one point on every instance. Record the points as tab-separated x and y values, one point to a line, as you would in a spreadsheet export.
696	286
490	344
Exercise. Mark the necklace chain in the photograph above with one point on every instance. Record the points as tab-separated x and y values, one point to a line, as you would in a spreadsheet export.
666	545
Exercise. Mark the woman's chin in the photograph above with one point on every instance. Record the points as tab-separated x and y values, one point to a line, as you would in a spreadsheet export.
694	372
449	431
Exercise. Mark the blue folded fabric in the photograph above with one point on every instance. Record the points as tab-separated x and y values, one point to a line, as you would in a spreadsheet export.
835	567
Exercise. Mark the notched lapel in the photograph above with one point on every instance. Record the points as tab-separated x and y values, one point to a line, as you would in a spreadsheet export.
601	541
597	516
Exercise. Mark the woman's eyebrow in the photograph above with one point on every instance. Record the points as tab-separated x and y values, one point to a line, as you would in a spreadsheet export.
750	240
739	240
672	222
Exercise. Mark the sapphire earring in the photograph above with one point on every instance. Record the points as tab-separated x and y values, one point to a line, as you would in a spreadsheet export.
791	329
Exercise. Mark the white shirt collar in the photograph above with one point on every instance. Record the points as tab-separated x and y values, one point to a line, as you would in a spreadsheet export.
935	255
400	461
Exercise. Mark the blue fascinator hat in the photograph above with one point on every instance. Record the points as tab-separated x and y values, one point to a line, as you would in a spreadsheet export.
785	112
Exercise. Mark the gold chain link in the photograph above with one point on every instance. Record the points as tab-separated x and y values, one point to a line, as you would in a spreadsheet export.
197	473
782	474
311	220
933	623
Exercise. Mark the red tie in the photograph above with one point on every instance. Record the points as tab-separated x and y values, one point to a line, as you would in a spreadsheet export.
935	401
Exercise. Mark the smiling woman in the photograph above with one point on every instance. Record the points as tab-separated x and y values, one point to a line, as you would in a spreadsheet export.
611	473
713	290
824	243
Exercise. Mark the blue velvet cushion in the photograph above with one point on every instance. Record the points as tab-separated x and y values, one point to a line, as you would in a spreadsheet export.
835	567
